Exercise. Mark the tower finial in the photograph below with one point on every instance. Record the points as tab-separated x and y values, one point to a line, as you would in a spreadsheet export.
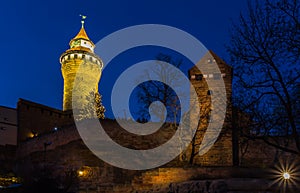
83	17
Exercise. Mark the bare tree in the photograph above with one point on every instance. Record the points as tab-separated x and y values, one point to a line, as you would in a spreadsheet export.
151	91
265	53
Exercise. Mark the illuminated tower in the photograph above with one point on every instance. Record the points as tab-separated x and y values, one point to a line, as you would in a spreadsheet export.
82	66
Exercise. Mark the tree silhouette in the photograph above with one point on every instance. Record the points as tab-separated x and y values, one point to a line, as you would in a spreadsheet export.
265	54
151	91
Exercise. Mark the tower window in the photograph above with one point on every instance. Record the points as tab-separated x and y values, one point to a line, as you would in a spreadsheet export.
209	118
199	76
75	56
209	92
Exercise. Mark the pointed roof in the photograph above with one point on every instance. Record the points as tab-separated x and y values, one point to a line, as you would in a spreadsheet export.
219	61
82	34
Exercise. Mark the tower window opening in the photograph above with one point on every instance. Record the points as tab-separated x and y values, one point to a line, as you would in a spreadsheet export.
199	76
75	56
209	118
209	92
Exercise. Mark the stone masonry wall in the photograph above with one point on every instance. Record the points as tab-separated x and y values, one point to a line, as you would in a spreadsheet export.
221	152
67	152
36	119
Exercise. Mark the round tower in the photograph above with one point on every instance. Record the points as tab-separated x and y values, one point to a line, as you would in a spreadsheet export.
80	63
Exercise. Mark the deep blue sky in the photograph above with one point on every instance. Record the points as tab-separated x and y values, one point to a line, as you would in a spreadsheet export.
34	33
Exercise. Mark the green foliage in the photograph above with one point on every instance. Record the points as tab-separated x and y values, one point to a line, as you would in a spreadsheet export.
92	109
100	109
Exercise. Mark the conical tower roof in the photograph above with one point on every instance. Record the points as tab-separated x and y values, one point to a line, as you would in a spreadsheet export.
82	34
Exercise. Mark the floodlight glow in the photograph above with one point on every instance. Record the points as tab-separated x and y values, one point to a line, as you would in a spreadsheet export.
80	173
286	176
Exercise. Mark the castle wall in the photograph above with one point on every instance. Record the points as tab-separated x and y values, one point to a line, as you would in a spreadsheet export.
35	119
8	126
54	139
256	153
67	153
252	153
7	157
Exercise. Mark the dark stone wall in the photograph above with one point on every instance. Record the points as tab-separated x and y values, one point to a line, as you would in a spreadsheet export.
38	119
7	158
67	153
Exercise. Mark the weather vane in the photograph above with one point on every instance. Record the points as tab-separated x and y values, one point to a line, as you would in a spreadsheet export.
83	17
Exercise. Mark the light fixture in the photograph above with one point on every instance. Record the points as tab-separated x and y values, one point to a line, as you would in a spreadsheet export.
80	173
33	134
286	176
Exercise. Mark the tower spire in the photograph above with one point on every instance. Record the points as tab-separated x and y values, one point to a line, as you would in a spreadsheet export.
83	17
81	40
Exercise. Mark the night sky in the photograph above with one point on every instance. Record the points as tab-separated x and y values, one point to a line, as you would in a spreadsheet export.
35	33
